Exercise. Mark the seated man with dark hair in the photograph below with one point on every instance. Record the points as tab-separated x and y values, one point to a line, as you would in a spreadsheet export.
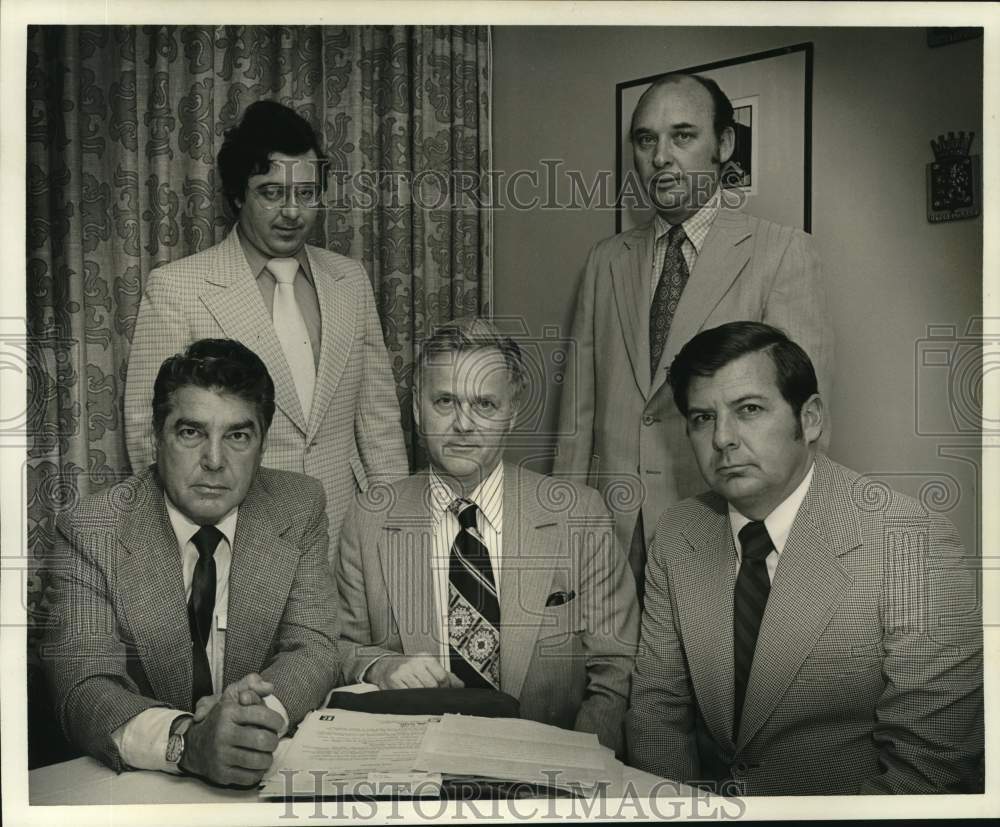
199	585
800	637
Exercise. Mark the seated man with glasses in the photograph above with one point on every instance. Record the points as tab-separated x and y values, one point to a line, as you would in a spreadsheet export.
307	312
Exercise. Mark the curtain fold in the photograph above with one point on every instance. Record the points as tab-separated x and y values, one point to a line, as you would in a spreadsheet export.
123	127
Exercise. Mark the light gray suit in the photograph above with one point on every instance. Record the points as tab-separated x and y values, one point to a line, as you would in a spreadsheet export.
353	431
568	664
621	432
867	674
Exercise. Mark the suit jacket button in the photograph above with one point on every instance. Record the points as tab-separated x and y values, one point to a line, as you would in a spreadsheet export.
647	420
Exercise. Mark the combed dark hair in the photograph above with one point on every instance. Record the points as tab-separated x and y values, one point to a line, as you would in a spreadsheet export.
722	107
713	349
215	364
470	334
266	127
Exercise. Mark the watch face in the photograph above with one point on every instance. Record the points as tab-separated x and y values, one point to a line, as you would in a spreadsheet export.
175	748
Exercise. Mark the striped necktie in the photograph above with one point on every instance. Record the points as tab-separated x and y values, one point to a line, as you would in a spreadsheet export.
749	601
473	604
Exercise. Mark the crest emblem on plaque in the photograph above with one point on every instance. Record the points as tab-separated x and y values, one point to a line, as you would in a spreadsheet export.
954	179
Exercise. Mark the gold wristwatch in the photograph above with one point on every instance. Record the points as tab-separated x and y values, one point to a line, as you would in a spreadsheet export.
175	743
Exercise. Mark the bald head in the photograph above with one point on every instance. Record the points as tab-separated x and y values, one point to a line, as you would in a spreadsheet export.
677	148
722	108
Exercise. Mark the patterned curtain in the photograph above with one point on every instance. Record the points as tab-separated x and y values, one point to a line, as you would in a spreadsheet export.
124	124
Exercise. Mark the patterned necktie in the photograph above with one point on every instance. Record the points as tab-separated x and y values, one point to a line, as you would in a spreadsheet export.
673	277
201	606
749	601
473	605
291	329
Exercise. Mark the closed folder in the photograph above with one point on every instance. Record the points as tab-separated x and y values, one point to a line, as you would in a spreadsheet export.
486	703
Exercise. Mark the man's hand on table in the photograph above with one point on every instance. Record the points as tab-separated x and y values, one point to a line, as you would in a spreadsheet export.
234	734
411	672
247	691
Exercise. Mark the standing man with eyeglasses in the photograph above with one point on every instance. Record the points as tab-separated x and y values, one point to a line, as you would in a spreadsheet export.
307	312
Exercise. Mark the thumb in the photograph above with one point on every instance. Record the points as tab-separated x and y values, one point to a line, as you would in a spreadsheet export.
204	706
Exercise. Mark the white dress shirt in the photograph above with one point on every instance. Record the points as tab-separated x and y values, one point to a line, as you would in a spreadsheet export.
778	523
695	228
142	741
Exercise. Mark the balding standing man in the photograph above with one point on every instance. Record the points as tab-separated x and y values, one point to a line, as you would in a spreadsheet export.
648	290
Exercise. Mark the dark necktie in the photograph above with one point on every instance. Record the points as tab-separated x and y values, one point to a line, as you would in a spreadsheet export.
673	277
201	606
473	605
749	601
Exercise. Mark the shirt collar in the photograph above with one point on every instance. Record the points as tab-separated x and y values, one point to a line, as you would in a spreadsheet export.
488	496
185	529
779	522
697	226
258	261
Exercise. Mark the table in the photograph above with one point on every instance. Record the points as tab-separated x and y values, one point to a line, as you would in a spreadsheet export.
87	781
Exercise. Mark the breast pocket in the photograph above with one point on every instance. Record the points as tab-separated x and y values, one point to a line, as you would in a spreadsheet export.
558	624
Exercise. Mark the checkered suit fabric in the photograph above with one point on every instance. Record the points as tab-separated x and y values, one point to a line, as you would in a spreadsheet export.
119	641
351	437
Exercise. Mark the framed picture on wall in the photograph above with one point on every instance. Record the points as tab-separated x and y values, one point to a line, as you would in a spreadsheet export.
770	171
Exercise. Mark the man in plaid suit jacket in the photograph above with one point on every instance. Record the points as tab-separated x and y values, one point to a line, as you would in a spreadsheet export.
351	435
121	652
863	673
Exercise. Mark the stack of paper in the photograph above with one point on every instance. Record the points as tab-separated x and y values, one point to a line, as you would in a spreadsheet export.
516	750
340	753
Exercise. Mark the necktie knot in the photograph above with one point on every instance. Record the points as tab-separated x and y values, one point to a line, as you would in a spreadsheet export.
755	542
206	539
676	236
465	511
284	270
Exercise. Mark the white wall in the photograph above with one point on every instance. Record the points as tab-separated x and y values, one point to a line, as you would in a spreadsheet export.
879	97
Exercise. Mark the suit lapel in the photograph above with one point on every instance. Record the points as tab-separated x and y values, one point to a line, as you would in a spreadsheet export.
808	586
232	297
405	550
722	258
260	577
151	587
529	532
630	280
709	577
337	306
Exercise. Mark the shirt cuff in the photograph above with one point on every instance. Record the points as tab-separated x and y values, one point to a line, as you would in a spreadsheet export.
142	741
273	703
363	676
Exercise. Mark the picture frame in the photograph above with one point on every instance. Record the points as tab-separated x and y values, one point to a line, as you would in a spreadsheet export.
770	172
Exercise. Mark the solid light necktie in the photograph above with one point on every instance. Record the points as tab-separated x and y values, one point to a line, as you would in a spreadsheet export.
473	605
291	329
201	607
749	601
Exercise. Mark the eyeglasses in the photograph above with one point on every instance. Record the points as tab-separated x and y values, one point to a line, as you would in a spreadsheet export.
275	196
